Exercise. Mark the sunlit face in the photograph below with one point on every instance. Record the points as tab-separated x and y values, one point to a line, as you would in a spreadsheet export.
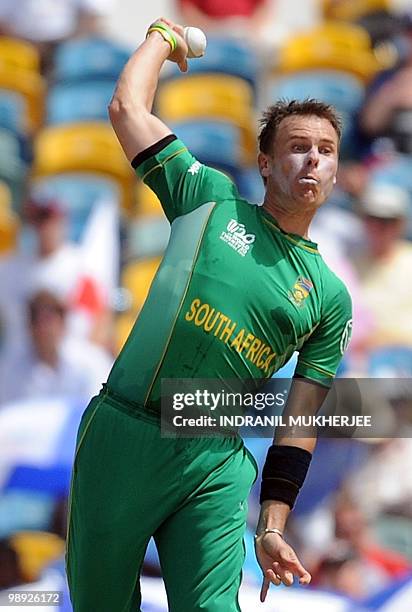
302	167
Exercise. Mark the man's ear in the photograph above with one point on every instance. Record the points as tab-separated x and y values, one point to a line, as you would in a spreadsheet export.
264	165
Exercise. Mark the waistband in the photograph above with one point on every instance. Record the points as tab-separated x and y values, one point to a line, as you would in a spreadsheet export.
128	406
138	411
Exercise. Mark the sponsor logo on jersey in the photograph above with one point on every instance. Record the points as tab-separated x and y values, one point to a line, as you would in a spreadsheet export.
301	289
194	168
346	336
237	238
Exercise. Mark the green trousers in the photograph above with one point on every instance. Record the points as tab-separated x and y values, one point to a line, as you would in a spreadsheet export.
129	484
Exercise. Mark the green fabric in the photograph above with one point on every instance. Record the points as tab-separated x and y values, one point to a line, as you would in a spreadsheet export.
128	484
235	295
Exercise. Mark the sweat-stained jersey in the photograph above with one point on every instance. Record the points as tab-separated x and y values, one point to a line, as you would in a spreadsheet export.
234	296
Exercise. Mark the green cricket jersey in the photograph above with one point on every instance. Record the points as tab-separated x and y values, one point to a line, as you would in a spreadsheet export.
234	296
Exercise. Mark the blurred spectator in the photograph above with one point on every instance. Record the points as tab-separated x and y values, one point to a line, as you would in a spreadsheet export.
352	527
384	482
356	552
384	265
228	17
342	570
391	93
52	365
48	22
56	264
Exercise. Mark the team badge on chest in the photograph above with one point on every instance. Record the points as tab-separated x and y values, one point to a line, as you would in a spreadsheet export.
300	291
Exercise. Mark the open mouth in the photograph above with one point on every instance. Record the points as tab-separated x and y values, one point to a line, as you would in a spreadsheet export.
308	180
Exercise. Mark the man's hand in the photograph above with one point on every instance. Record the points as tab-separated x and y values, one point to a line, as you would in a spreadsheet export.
278	562
179	55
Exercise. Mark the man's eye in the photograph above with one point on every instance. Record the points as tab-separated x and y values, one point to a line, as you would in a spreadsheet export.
298	147
326	151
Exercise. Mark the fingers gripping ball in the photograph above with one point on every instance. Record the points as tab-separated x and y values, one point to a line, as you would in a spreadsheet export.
196	41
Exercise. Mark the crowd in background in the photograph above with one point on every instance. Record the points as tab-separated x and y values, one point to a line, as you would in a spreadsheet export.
81	239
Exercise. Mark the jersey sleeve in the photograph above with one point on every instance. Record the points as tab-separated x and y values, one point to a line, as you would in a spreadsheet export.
321	354
179	180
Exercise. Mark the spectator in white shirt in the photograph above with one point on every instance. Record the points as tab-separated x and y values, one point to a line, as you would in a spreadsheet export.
55	263
52	365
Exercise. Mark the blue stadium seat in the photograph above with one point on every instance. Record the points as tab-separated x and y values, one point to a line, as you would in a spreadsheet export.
390	361
227	56
78	192
342	90
12	167
215	143
84	101
332	86
12	111
89	58
251	186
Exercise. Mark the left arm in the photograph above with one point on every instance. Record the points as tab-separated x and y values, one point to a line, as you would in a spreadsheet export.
288	459
278	561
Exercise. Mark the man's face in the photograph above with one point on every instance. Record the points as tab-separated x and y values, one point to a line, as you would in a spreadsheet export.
302	167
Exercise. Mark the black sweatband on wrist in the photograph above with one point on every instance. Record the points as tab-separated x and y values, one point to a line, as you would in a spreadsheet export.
284	473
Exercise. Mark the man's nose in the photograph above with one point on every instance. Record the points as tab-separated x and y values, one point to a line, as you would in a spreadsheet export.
313	157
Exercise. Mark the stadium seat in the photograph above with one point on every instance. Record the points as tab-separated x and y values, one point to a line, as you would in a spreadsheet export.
390	362
18	54
226	56
71	102
30	87
84	148
137	277
9	223
36	550
147	202
337	46
351	10
12	108
78	194
88	59
209	97
343	90
215	143
336	87
250	185
12	168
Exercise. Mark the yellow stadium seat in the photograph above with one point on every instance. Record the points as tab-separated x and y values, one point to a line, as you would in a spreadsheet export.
31	87
352	9
147	202
137	277
18	54
9	222
123	327
84	147
335	45
225	98
36	550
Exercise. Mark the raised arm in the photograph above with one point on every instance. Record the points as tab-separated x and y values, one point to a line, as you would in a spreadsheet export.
130	109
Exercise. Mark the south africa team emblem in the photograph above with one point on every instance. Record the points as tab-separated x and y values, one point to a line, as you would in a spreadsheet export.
301	289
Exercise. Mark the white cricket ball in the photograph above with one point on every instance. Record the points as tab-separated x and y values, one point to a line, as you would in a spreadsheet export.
196	41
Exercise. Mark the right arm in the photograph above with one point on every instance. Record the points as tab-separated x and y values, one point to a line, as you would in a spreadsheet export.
130	109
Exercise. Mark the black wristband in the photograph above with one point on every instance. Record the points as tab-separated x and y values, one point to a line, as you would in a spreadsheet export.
284	473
